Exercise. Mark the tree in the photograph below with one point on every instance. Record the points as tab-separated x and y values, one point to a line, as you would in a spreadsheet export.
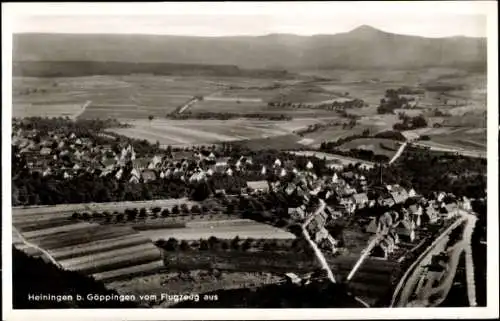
142	213
247	244
235	243
75	216
223	245
419	122
171	244
175	209
201	192
165	212
195	209
213	242
132	214
151	117
184	208
184	246
204	245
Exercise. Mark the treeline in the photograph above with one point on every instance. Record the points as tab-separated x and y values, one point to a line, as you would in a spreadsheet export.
336	105
65	125
34	189
33	276
235	244
315	127
362	154
89	68
227	115
391	135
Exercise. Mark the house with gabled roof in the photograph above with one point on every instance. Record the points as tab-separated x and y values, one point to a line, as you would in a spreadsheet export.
135	176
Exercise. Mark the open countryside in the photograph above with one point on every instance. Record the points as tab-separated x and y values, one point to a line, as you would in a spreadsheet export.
358	186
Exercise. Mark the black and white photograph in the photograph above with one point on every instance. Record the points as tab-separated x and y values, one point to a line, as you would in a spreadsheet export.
284	157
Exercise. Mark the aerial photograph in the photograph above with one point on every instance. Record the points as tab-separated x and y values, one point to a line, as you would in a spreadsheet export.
249	161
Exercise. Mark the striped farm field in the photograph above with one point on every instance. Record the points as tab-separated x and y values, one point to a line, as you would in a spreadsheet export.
82	236
84	260
112	263
90	248
58	229
130	271
98	246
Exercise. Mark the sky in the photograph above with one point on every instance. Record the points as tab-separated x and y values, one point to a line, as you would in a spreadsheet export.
437	19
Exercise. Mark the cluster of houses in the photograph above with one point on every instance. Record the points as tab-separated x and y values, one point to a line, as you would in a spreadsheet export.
407	211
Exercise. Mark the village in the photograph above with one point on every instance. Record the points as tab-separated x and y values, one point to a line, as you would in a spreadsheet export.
399	218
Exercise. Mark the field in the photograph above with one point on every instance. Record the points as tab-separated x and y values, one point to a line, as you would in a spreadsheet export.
83	246
186	132
133	98
378	146
226	229
473	139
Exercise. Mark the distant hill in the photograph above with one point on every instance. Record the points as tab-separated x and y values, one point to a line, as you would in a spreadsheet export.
363	47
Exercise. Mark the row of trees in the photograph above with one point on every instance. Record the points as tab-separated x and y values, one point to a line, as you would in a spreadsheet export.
228	115
336	105
213	243
132	214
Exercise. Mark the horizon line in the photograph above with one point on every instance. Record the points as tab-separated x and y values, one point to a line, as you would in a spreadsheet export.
231	36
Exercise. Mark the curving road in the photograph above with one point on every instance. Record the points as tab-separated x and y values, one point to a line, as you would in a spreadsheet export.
317	251
29	244
432	289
